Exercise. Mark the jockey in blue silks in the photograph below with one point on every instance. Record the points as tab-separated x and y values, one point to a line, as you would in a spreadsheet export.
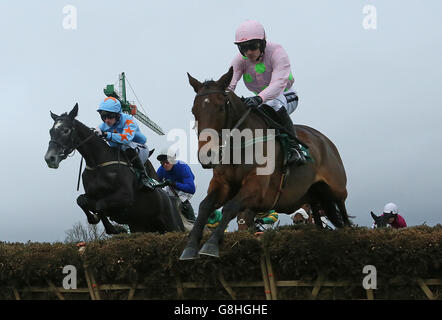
178	179
121	130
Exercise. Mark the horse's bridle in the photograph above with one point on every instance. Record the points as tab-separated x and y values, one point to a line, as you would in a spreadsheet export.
227	104
66	151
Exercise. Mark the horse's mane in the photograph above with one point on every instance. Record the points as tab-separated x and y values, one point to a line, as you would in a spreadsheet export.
82	126
209	83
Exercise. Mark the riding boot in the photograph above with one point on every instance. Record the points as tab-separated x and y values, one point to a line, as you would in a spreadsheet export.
138	166
295	155
187	211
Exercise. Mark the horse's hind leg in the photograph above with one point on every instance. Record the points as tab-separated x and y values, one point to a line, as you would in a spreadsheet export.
87	204
323	193
343	211
329	207
109	227
315	212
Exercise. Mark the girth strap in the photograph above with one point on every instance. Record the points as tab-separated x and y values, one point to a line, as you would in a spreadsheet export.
105	164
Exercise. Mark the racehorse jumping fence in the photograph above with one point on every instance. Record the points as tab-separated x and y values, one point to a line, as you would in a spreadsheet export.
328	264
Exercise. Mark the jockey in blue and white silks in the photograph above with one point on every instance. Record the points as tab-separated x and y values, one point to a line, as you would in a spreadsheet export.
121	130
124	130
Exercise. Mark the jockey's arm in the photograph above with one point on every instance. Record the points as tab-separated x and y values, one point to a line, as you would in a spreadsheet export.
126	136
160	173
238	71
280	76
187	184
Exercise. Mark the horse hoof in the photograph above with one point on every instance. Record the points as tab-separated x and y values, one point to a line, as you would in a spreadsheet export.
120	229
189	254
210	249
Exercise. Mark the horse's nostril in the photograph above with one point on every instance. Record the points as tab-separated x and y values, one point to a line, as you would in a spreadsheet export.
50	159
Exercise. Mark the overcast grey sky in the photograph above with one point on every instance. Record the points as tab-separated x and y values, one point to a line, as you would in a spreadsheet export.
374	93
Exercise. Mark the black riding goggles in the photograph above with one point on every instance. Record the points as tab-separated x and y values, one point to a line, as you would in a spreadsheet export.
249	45
108	115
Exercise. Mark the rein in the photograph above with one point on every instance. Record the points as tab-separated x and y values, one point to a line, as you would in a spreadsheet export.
68	150
226	118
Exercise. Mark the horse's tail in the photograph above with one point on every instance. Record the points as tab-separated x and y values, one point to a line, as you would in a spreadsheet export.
333	208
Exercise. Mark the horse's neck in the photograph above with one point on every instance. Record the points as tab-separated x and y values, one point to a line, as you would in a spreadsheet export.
94	150
252	121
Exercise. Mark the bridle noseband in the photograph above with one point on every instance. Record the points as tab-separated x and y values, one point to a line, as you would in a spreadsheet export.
227	106
66	151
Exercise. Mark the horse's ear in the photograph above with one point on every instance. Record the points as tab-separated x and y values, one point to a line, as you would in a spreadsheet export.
194	83
375	217
74	112
225	80
53	116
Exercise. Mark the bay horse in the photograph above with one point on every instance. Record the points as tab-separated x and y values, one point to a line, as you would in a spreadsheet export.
236	187
111	187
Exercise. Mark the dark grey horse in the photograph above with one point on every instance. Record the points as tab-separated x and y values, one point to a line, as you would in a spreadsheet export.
382	221
111	187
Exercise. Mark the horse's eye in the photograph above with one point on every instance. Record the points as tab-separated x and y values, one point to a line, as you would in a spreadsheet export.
66	131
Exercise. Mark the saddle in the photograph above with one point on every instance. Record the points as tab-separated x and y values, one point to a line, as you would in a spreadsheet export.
271	118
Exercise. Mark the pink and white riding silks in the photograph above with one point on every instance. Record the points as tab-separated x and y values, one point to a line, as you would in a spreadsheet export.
269	77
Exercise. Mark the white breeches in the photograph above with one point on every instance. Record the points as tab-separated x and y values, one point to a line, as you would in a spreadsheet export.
286	99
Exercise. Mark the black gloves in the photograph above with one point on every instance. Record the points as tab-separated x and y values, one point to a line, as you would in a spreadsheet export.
259	221
168	182
253	102
100	133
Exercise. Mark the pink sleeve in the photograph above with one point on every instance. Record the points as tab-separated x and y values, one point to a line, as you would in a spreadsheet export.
280	75
238	71
402	222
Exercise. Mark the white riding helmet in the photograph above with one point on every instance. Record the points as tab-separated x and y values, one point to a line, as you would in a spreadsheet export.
167	153
391	207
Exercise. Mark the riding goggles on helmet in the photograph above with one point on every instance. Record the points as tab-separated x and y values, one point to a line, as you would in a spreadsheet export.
249	45
108	115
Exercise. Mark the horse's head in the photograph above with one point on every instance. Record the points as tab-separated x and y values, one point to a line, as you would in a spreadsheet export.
383	220
62	138
210	109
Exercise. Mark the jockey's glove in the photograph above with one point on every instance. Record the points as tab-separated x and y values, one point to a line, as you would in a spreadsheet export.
259	221
169	182
253	102
100	133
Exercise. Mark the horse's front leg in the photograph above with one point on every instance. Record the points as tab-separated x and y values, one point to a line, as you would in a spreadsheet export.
250	195
217	195
230	210
87	204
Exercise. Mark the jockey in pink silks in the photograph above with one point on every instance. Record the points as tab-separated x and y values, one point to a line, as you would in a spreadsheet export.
265	69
